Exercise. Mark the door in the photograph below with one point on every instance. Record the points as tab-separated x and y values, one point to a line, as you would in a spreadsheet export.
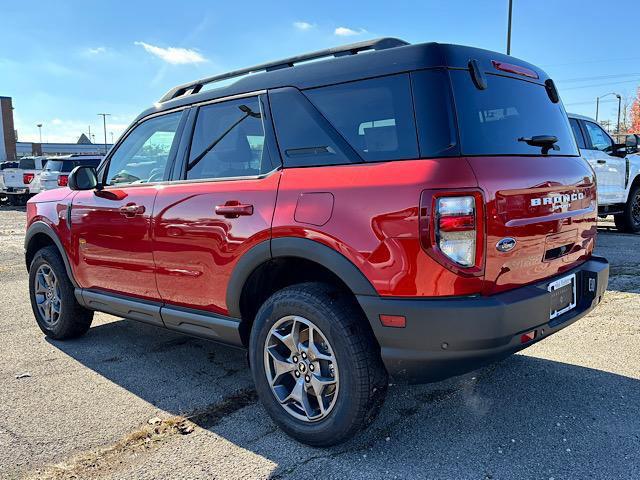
610	170
110	228
220	205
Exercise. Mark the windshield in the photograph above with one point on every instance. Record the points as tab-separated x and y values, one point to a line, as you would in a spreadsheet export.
491	121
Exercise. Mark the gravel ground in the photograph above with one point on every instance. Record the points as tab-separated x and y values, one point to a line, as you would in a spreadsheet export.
111	404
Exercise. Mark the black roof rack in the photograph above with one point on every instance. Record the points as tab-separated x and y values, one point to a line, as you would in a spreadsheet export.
351	49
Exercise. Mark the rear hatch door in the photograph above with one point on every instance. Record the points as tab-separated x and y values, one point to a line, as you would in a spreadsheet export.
540	195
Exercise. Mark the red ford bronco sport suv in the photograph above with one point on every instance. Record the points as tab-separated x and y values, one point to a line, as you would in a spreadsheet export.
412	211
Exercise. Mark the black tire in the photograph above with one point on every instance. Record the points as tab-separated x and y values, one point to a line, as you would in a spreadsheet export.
363	378
73	319
629	220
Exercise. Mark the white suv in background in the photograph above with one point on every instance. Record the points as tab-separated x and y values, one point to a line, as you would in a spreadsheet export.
617	169
56	172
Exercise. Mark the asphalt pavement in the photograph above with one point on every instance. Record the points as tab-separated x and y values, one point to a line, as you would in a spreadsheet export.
132	401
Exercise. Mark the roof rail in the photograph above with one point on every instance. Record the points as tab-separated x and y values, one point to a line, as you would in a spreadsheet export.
351	49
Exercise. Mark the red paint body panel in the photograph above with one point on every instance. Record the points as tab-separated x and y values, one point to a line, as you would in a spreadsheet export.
509	184
195	249
375	220
181	252
111	251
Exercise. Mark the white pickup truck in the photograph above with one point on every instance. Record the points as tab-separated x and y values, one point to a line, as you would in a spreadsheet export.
23	181
617	168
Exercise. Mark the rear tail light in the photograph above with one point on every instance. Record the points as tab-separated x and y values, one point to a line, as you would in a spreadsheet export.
63	180
456	229
27	178
452	229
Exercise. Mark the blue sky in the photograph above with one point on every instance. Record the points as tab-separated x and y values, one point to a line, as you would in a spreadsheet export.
65	61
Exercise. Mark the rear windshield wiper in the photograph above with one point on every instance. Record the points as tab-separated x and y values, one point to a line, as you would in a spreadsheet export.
546	142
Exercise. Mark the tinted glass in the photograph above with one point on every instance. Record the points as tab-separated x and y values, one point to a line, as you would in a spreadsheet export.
575	126
491	121
434	113
375	116
68	165
304	136
598	137
27	163
142	157
229	141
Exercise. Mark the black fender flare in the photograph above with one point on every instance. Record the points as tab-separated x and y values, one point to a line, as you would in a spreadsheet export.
38	227
317	252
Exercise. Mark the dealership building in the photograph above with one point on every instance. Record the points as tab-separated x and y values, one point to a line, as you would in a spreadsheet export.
11	149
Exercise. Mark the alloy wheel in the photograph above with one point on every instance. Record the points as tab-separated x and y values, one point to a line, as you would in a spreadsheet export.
47	293
635	208
301	368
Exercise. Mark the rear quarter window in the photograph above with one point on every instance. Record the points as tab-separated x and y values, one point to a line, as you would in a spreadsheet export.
375	116
491	121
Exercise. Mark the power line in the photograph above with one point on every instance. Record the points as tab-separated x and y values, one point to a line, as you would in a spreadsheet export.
598	77
637	80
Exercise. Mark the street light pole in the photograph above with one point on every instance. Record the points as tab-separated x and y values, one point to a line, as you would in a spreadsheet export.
509	28
39	125
606	95
104	124
619	104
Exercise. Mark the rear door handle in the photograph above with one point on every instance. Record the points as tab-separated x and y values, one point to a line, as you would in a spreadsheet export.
131	210
602	161
233	209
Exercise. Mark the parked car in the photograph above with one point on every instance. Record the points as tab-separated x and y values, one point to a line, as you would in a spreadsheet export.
56	172
23	181
617	168
343	219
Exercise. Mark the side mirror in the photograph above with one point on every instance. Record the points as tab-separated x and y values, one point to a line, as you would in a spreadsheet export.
83	177
619	150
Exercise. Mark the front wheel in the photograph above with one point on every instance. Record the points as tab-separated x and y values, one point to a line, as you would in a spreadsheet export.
316	364
629	220
58	313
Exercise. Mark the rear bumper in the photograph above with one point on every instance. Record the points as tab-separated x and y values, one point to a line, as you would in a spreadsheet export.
451	336
15	191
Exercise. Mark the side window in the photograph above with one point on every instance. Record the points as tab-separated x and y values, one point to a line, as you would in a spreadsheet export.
375	116
229	141
577	132
143	156
304	136
599	138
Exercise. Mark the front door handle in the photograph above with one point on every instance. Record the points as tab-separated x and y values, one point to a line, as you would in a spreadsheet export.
602	161
233	209
131	210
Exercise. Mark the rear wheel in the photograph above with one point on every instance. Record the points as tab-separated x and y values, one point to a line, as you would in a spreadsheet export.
629	220
316	365
58	313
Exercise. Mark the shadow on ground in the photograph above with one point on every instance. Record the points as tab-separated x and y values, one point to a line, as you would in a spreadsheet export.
520	416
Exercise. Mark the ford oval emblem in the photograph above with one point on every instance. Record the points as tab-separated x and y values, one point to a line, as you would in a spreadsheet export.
506	244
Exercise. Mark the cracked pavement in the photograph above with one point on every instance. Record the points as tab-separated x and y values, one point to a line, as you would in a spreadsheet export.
568	407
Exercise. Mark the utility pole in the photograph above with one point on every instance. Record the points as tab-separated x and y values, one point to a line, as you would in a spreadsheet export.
39	125
104	123
111	138
509	28
89	132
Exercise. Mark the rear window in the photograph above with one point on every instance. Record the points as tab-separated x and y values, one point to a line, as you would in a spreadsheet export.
375	116
27	163
491	121
66	166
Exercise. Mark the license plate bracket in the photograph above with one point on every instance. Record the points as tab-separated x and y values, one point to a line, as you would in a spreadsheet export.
563	296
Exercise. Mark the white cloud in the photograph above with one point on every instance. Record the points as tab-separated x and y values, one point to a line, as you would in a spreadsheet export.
348	32
303	25
173	55
96	51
